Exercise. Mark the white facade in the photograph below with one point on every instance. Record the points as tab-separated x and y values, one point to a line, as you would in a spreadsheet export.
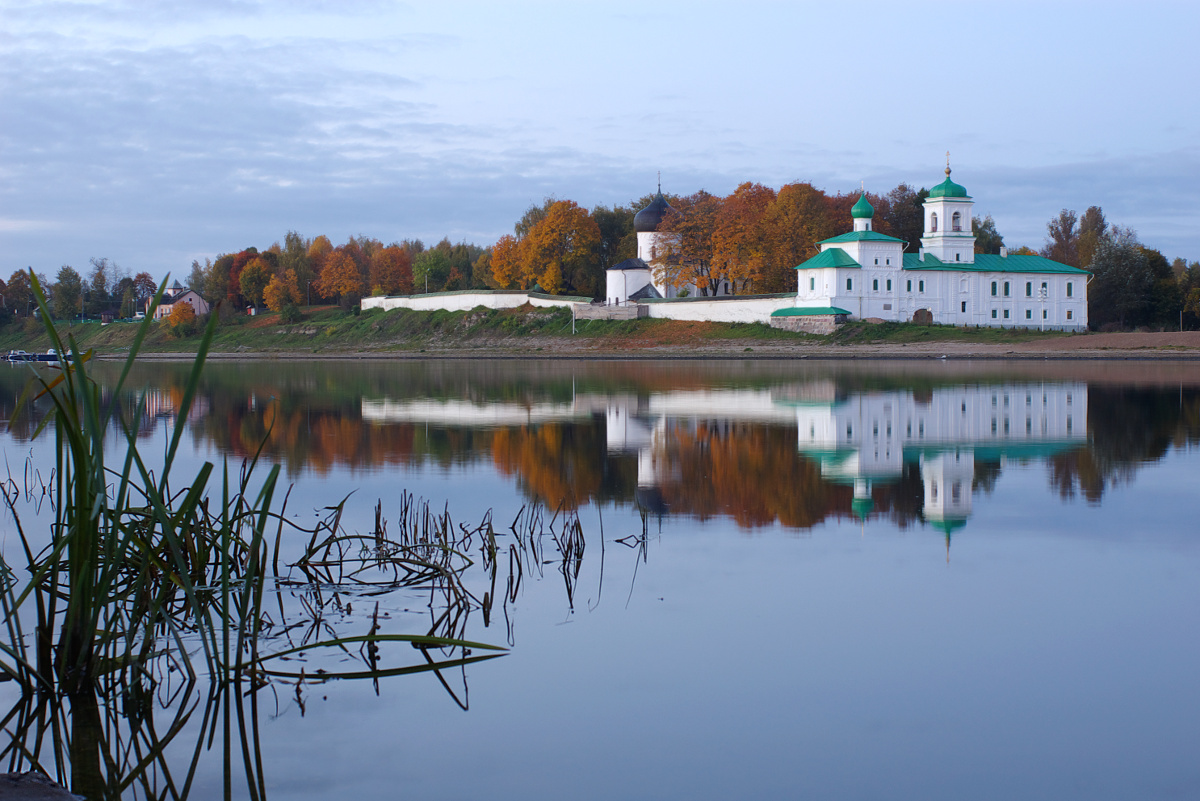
871	276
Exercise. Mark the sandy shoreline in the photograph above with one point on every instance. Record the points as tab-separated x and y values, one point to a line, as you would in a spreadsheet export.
1175	346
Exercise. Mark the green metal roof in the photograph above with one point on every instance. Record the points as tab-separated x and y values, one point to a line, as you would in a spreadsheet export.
861	507
803	311
862	209
948	188
833	257
861	236
991	263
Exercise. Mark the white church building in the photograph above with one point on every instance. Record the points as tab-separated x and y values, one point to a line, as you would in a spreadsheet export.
865	274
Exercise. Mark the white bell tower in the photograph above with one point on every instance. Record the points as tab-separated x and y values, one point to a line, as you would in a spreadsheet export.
948	233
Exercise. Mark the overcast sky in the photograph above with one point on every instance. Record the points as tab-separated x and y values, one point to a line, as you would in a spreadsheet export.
155	133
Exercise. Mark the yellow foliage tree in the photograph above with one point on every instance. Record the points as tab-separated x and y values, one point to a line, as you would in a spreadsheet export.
282	291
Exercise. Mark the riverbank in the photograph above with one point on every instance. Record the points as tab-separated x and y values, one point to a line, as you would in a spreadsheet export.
328	333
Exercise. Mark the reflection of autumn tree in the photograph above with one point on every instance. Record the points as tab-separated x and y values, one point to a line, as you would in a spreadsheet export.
555	463
750	473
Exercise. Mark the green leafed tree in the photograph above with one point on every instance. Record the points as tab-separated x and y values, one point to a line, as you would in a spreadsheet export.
987	238
68	293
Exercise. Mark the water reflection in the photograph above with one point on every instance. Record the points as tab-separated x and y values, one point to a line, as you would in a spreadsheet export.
761	444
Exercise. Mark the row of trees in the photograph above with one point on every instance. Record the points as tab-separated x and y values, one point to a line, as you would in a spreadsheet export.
751	239
1133	285
304	271
106	289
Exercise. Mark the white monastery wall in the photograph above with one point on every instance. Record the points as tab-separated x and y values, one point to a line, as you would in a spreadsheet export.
717	310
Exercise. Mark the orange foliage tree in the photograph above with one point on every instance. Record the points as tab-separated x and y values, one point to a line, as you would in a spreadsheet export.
739	246
391	271
340	278
688	260
557	253
318	254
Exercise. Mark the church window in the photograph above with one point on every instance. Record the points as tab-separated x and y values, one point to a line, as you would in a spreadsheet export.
920	286
994	288
1068	424
1070	288
889	285
812	284
958	257
956	491
877	262
1043	289
993	314
964	307
1029	289
1006	289
653	252
1043	314
1029	314
933	491
875	283
933	222
1006	314
956	221
849	284
1069	314
909	287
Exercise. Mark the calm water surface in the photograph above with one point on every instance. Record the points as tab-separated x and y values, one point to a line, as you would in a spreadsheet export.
830	580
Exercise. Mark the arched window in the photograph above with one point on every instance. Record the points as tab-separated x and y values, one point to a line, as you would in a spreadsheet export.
956	221
933	222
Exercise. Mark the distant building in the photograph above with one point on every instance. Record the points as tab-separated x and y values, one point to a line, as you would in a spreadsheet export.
179	294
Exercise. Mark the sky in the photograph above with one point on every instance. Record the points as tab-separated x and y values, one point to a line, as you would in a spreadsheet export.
155	133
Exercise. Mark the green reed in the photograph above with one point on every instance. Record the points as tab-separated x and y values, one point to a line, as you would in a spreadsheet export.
138	574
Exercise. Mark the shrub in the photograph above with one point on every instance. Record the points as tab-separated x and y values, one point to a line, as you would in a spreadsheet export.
290	314
182	320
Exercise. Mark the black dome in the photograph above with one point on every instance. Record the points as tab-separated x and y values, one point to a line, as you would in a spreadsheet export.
648	218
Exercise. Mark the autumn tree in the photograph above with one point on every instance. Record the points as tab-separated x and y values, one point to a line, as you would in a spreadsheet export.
506	262
340	279
796	220
181	321
740	246
560	248
18	293
318	254
253	280
391	271
283	291
689	252
455	281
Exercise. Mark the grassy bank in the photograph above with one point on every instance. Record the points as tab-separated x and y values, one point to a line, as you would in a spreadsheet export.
331	331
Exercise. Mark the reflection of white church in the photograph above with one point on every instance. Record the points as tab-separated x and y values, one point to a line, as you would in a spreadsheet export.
869	437
861	440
